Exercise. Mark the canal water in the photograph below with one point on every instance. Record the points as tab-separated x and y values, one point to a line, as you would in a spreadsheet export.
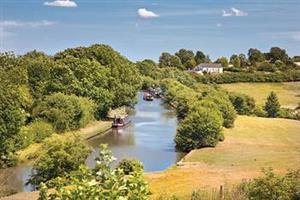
149	138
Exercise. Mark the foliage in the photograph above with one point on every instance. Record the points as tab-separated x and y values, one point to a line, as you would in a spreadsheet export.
255	55
276	53
272	186
272	105
65	112
187	58
35	132
168	60
58	158
101	183
287	76
243	104
266	66
200	128
130	166
221	99
147	67
12	105
200	57
223	61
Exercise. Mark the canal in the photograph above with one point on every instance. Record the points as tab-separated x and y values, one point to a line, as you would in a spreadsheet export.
148	138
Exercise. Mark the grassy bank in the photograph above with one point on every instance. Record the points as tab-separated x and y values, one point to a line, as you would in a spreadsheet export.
288	93
89	131
252	144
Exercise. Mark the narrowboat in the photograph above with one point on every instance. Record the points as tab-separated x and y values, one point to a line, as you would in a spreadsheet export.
120	121
148	97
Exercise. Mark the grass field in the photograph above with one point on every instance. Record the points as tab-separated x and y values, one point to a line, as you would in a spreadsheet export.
254	143
288	93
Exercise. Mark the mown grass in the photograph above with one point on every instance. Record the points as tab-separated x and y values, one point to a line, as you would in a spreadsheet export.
288	93
254	143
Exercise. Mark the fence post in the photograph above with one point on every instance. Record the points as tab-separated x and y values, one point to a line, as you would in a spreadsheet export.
221	192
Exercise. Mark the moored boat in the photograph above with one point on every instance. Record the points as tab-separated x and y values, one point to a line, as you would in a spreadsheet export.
120	121
147	96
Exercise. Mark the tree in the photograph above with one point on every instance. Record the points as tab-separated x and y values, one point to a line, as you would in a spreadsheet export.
235	61
255	55
102	182
13	77
168	60
223	61
277	53
146	67
243	60
272	106
186	57
200	57
65	112
58	158
200	128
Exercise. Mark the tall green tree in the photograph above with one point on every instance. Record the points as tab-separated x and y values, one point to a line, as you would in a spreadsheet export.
200	128
255	55
235	61
186	57
13	77
223	61
272	106
200	57
276	53
168	60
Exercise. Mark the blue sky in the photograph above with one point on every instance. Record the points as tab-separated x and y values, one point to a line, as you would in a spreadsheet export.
144	29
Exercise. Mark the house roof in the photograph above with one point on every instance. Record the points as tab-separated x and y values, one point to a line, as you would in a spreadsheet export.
208	65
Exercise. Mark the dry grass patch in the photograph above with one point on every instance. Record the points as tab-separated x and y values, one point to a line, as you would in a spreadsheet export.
288	93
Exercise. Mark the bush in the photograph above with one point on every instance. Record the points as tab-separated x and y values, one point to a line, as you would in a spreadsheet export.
272	186
201	128
272	105
259	112
102	182
224	105
288	114
243	104
58	158
65	112
34	132
130	166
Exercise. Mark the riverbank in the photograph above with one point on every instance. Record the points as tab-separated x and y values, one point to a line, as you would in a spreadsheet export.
254	143
91	130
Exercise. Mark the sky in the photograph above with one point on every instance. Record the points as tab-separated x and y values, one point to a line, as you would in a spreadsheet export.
141	29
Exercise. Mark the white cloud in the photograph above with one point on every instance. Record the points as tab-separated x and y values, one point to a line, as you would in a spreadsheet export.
12	23
219	25
61	3
234	12
144	13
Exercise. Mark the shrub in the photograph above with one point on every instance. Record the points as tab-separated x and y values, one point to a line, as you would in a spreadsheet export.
259	112
201	128
272	105
243	104
102	182
272	186
34	132
224	105
130	166
65	112
58	158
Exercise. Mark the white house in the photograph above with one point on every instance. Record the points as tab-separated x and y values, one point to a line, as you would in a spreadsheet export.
208	68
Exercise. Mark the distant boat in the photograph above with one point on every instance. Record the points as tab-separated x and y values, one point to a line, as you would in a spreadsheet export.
121	121
147	96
